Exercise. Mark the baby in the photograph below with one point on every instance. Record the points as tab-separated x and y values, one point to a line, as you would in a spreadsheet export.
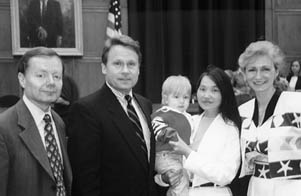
169	122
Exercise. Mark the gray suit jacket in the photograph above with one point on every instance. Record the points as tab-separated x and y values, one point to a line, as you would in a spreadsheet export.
24	166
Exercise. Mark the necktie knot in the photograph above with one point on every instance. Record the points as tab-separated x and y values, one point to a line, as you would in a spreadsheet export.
47	118
128	98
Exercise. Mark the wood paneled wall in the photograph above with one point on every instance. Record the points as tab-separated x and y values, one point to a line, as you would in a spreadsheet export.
283	26
85	70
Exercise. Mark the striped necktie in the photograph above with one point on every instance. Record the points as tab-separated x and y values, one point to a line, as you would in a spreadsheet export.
135	121
54	156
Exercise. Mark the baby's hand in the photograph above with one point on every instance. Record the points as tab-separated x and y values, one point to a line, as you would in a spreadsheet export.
170	134
172	177
167	134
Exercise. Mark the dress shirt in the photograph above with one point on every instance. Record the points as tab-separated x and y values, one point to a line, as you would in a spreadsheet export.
293	82
123	102
41	5
38	116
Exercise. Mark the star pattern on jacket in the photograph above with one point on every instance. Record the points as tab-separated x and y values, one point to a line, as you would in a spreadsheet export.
263	172
285	167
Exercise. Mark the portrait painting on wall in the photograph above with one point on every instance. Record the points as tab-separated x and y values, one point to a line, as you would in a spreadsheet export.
51	23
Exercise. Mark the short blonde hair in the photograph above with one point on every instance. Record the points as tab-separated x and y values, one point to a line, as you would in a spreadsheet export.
175	85
262	48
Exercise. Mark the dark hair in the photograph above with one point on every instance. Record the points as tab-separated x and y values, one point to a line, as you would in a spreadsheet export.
121	40
290	74
228	107
35	52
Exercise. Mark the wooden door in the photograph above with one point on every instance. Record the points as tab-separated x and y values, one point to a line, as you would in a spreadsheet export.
283	26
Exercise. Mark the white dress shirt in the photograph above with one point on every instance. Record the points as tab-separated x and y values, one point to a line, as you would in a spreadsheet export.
38	116
142	119
292	83
41	6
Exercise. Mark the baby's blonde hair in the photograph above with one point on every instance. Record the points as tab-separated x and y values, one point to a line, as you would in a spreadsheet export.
175	85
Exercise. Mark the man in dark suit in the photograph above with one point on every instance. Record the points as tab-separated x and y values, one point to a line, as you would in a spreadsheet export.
33	154
108	153
45	23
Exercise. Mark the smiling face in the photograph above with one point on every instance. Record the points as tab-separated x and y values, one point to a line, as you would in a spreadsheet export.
122	68
261	74
42	80
209	96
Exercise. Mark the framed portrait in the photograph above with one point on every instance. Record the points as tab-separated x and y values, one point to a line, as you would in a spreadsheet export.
55	24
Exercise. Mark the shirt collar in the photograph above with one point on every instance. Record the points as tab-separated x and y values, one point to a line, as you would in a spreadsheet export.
41	1
35	111
117	93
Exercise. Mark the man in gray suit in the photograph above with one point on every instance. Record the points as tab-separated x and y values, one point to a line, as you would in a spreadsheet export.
33	156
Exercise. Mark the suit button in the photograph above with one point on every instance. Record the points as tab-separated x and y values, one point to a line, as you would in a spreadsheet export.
53	187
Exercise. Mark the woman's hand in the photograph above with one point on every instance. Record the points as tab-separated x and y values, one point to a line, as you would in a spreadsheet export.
180	147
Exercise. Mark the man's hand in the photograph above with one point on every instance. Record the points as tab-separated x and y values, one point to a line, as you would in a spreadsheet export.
172	177
42	34
59	41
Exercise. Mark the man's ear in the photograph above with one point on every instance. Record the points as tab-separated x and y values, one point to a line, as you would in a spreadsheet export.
21	78
103	68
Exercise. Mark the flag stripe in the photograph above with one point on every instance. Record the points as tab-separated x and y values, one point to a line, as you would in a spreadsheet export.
114	19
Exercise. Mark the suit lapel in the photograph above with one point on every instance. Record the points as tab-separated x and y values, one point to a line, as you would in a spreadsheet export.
125	127
147	114
31	137
144	110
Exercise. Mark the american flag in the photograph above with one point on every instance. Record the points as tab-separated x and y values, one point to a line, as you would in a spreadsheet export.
114	19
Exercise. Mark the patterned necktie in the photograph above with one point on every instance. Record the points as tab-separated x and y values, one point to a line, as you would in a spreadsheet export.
54	156
135	121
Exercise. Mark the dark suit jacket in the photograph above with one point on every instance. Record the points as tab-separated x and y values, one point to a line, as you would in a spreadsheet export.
24	166
52	22
298	83
104	151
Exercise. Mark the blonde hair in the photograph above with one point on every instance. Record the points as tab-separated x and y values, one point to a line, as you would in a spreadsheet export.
262	48
175	85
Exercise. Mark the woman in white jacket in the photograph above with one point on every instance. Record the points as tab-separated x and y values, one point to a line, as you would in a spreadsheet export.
213	158
271	127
